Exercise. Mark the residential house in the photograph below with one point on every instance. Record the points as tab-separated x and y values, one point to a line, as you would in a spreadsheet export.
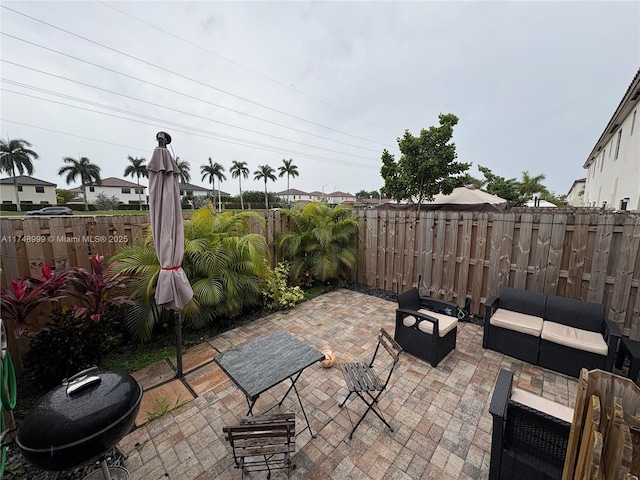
124	190
293	195
337	198
575	197
613	166
198	191
30	191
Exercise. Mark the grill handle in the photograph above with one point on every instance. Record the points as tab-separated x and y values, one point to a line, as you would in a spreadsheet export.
82	380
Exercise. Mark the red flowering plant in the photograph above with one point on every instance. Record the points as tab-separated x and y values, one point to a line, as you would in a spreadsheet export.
95	289
26	294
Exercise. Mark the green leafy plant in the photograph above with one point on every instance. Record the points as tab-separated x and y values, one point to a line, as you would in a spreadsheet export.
223	261
320	243
165	407
277	293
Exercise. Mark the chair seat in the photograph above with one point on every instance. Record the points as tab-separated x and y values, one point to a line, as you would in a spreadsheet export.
446	323
360	377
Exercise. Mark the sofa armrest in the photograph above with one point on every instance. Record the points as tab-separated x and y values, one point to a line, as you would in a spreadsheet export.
498	410
612	334
490	306
439	306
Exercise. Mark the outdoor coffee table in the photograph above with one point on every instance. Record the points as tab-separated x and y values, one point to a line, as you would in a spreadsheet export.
266	362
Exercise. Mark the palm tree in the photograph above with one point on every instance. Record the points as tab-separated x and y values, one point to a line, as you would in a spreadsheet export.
530	185
16	154
138	168
319	244
83	168
185	169
223	261
239	170
288	169
213	171
267	173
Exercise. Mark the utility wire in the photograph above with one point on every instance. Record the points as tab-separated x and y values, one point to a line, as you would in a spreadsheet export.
189	78
205	134
77	99
161	87
255	72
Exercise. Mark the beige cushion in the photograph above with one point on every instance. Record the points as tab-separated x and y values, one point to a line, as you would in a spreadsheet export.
520	322
574	338
445	322
542	404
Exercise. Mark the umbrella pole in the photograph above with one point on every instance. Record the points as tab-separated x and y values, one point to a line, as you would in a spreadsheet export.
176	317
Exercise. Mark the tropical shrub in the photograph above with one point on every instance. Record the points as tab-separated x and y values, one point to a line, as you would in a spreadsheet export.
223	261
278	295
320	243
75	336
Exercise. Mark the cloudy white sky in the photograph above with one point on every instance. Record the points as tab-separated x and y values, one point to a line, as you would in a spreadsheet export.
329	85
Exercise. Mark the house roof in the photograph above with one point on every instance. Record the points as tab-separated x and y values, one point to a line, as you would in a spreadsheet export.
26	180
577	182
111	182
195	188
339	194
316	194
629	100
293	191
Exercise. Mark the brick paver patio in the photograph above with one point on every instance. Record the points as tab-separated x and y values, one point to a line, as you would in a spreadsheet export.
440	415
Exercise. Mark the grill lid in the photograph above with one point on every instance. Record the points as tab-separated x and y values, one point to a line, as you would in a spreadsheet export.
85	406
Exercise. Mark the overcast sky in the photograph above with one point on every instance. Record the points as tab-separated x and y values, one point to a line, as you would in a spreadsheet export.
329	85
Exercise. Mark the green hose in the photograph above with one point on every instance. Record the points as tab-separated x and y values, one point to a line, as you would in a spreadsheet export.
8	390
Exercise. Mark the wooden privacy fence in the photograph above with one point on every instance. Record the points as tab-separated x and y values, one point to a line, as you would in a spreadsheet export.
584	254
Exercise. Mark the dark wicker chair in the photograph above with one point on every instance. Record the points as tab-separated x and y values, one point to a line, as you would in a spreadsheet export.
426	327
526	444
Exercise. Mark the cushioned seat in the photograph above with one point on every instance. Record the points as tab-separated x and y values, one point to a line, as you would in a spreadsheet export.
520	322
446	323
575	338
542	404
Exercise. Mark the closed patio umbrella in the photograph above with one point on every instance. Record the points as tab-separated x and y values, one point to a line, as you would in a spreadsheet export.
173	290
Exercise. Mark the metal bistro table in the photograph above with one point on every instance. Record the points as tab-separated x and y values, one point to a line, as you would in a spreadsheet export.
264	363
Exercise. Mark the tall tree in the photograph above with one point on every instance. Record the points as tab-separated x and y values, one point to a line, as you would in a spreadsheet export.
213	171
426	166
265	172
509	189
83	168
288	169
16	154
529	185
239	170
138	168
185	170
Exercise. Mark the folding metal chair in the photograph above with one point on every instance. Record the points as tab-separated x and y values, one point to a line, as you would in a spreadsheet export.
361	378
264	442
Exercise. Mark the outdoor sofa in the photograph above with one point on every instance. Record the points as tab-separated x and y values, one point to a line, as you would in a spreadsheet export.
530	434
561	334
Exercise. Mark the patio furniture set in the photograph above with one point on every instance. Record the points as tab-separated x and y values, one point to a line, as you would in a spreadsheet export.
530	433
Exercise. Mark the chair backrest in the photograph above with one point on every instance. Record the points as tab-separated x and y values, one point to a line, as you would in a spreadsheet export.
409	299
392	347
269	434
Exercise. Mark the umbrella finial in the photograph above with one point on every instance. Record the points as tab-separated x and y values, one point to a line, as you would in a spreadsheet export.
163	139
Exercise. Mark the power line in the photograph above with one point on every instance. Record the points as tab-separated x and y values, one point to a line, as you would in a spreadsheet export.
260	74
161	87
189	78
208	135
70	97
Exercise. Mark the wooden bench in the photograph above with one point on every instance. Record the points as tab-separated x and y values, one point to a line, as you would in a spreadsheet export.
263	442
